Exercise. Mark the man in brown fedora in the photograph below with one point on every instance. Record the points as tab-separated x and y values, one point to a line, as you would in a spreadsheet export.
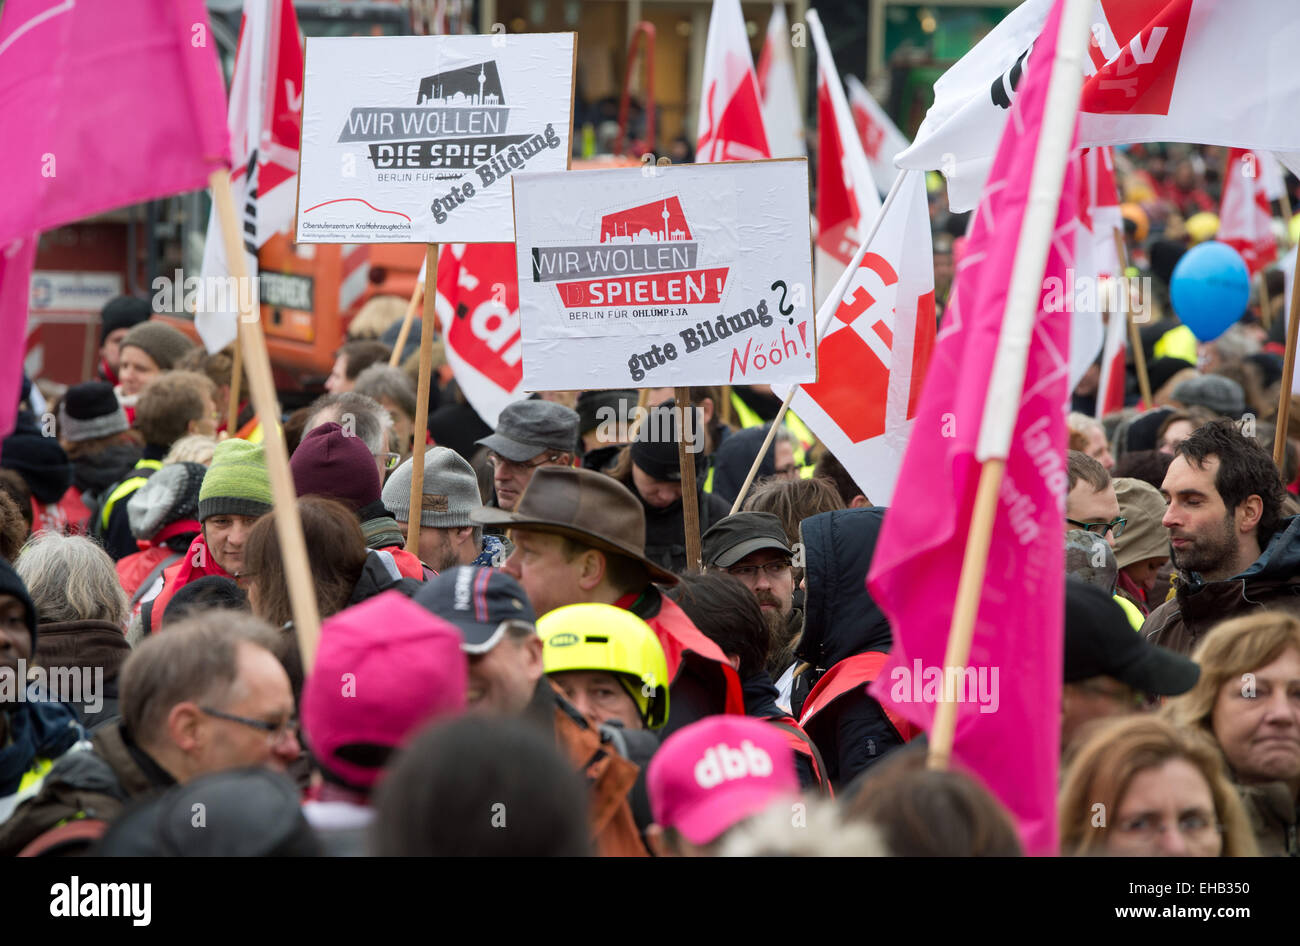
580	537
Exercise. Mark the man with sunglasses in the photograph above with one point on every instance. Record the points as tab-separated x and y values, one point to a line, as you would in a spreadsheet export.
529	434
1091	504
206	696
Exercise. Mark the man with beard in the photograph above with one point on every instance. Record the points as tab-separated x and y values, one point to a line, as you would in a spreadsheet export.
752	547
1233	553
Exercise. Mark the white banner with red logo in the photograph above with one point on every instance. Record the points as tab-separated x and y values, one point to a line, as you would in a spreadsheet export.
1199	71
684	275
265	121
414	139
874	351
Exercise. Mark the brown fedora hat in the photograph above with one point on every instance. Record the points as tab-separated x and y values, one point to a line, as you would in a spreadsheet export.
590	507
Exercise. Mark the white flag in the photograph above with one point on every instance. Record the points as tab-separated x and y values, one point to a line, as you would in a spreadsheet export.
265	119
880	137
782	116
1157	70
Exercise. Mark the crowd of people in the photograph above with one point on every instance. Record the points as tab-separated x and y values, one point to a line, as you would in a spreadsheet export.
549	674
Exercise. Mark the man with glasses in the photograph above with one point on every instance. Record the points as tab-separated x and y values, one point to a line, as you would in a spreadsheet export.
1109	669
1091	504
752	546
206	696
529	434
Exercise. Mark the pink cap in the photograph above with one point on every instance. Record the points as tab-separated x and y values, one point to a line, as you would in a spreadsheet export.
384	668
710	775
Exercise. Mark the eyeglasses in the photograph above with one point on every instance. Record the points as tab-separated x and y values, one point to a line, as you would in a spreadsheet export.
390	459
750	572
1101	528
496	461
1195	826
276	732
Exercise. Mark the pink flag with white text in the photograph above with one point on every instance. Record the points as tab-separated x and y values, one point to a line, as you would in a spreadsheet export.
1008	726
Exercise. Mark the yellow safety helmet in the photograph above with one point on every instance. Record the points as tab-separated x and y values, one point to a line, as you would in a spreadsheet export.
603	637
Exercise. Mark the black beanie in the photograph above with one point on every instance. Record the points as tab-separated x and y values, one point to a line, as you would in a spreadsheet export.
654	449
90	410
11	584
42	462
122	312
1142	432
1164	368
204	594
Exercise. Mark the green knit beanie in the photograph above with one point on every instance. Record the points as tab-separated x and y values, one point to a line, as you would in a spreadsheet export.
237	482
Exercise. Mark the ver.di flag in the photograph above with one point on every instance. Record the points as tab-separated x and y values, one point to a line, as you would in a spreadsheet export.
880	137
1245	217
478	306
731	113
265	121
782	116
1199	71
1010	741
873	354
1096	287
847	199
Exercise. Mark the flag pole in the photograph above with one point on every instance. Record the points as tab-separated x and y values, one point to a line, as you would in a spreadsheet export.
422	403
690	498
288	524
1139	353
236	371
1288	372
395	359
1007	381
822	317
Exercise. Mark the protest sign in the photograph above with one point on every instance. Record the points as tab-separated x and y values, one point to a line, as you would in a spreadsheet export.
412	139
656	276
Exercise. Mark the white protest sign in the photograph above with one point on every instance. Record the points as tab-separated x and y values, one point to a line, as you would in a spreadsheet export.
683	275
413	139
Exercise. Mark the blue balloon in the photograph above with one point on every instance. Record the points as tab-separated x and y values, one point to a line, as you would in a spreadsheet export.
1209	288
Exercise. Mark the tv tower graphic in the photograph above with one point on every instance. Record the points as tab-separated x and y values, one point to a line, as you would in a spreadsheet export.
479	100
637	224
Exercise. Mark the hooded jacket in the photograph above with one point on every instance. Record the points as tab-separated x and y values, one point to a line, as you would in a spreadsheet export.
1271	582
96	472
665	528
842	621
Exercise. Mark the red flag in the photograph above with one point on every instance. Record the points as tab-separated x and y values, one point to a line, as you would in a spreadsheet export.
1008	734
1245	218
1098	286
782	115
731	113
478	305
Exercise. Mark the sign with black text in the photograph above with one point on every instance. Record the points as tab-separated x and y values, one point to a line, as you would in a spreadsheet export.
413	139
648	277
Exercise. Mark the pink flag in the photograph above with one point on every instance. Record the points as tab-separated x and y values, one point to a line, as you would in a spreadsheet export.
731	112
1245	218
104	105
16	261
1007	735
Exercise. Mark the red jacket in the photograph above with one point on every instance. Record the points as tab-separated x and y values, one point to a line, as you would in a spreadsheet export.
701	681
409	565
69	516
135	568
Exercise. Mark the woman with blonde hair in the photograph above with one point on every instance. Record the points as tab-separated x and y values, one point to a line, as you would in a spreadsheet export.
1248	700
1141	786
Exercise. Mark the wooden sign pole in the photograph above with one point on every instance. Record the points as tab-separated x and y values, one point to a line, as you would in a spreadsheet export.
690	497
395	359
236	372
421	400
288	524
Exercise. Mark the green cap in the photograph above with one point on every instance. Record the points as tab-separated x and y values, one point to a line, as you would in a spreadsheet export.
237	482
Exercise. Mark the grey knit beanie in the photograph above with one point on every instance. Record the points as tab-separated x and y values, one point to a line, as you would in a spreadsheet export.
450	491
